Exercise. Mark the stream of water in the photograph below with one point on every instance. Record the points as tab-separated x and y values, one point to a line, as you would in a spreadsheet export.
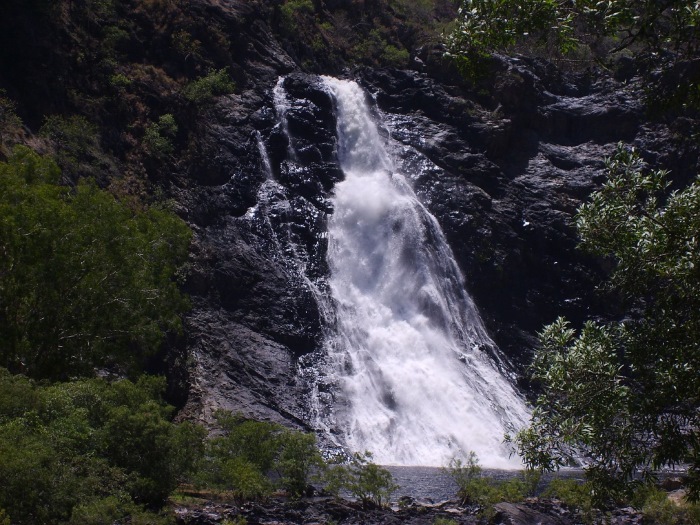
409	354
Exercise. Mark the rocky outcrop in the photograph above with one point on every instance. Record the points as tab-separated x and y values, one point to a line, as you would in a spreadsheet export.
502	160
509	167
533	511
258	203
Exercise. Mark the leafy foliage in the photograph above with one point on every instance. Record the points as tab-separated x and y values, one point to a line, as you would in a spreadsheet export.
159	135
473	488
10	124
204	89
574	494
363	479
490	25
659	509
626	395
84	280
77	146
444	521
376	48
247	452
291	10
83	449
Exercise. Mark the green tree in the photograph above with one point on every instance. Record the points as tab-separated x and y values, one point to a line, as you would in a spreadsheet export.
246	453
297	460
203	90
364	479
85	449
85	281
626	395
489	25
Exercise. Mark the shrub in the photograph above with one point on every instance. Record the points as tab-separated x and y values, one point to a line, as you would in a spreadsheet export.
290	11
186	45
444	521
89	451
363	479
243	478
298	458
475	489
204	89
8	115
159	135
76	143
659	509
574	494
119	81
471	486
111	510
85	281
113	39
247	452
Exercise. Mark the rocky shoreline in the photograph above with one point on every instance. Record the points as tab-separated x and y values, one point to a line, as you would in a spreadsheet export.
328	510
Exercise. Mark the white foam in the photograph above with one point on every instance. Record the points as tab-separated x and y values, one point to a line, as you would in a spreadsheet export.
416	384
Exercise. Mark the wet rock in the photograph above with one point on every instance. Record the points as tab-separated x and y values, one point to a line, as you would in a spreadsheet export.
503	160
671	483
329	510
505	182
518	514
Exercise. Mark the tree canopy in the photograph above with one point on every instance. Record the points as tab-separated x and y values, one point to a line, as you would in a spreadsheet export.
567	25
625	396
75	450
85	280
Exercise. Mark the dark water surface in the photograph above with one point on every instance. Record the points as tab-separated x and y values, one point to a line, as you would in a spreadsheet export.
433	484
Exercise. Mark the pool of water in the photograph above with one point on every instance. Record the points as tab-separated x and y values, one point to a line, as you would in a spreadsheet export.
433	485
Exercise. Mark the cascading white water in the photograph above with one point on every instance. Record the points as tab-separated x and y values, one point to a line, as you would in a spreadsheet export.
417	385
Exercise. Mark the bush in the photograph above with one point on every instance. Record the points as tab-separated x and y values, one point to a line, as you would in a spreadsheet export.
297	460
76	143
85	281
475	489
659	509
574	494
111	510
243	478
290	11
204	89
444	521
159	135
90	451
472	488
247	453
376	50
368	482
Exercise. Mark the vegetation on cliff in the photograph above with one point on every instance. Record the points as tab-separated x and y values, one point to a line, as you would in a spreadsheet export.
624	395
591	27
85	280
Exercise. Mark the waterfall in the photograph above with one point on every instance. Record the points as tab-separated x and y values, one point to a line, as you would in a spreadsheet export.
411	359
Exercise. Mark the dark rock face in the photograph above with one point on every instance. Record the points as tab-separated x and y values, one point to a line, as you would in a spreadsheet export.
503	162
505	182
328	510
258	204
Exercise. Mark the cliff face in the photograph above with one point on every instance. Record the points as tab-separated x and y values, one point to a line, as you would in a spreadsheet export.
506	157
510	158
